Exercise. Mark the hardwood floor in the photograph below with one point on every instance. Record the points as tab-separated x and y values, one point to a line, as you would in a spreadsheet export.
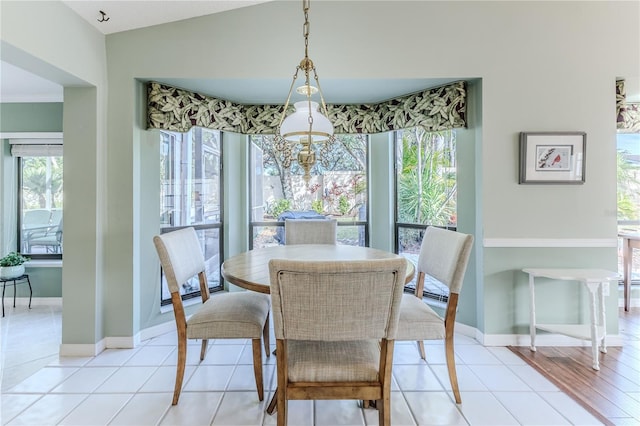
611	394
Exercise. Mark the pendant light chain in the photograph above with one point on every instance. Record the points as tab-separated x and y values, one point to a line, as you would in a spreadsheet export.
317	128
305	27
308	64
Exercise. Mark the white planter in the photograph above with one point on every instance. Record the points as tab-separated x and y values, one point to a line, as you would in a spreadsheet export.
7	272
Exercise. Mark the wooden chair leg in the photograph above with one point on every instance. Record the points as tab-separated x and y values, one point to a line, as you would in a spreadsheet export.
421	349
182	360
281	390
451	367
265	337
272	405
282	409
203	349
257	366
384	414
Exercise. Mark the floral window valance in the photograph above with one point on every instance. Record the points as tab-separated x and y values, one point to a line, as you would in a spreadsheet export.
441	108
627	114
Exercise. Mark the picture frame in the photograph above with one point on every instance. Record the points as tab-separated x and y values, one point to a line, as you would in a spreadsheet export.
552	157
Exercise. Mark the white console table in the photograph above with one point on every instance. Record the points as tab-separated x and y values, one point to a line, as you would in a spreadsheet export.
594	280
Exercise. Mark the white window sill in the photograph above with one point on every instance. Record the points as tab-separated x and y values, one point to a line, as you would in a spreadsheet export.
44	263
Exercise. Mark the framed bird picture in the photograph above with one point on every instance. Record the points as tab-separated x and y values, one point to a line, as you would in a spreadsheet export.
552	157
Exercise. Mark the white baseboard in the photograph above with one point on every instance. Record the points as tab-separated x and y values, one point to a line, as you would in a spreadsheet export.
88	349
543	340
127	342
124	342
157	330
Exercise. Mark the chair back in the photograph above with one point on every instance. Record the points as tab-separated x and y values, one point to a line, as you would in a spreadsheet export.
310	231
180	256
336	300
444	255
36	217
56	216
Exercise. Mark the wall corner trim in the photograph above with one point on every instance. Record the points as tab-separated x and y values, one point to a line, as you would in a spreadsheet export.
72	349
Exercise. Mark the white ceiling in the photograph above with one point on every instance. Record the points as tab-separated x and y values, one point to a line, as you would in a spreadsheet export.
128	15
17	85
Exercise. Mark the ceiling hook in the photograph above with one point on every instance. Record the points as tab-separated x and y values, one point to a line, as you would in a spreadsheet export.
103	17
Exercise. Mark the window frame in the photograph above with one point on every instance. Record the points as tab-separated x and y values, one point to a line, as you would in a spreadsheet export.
255	224
19	212
433	298
219	225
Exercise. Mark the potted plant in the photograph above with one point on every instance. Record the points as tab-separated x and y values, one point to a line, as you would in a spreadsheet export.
12	265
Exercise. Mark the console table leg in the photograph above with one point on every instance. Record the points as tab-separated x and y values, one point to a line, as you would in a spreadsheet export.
594	327
532	313
626	279
602	320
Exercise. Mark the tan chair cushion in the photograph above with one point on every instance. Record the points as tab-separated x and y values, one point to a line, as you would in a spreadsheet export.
230	315
418	321
316	361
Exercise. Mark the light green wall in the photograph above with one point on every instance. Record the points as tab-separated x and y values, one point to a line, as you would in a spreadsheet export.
45	282
31	117
539	66
48	39
507	288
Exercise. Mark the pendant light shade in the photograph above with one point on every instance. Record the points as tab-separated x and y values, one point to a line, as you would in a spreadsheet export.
296	125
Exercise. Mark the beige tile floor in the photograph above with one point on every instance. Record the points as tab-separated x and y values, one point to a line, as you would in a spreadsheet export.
134	386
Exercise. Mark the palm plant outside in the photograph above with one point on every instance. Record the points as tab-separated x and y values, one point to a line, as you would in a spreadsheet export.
42	182
628	189
427	178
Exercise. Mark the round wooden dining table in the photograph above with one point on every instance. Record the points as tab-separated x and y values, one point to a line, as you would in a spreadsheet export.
250	270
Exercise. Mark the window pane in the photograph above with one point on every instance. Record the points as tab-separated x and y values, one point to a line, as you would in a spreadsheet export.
190	176
426	177
629	181
190	195
629	195
41	205
337	188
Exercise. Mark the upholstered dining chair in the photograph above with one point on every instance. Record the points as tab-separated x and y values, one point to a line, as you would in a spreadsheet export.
444	255
335	322
239	315
310	231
